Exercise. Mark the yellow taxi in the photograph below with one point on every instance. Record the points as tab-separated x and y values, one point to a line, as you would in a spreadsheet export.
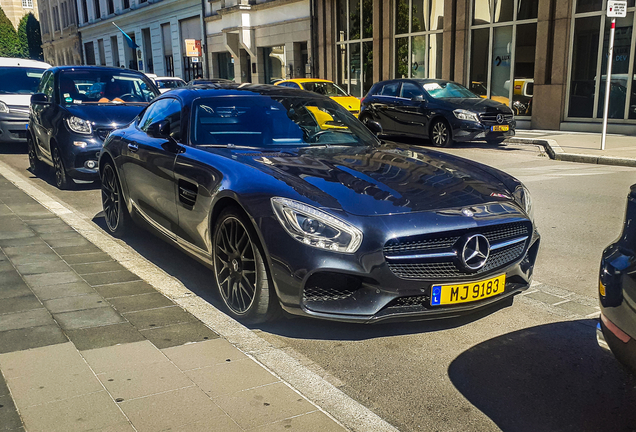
327	88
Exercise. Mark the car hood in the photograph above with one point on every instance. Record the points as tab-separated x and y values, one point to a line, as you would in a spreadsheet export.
106	115
21	100
349	102
388	179
475	104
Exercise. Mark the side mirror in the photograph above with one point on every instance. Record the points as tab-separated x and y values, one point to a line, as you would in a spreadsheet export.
418	98
39	98
160	129
374	127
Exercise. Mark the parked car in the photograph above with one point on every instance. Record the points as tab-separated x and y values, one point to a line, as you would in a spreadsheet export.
442	111
325	88
74	110
208	81
19	79
165	84
616	330
326	222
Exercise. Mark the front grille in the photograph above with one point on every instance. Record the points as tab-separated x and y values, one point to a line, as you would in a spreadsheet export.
491	118
322	294
103	133
443	268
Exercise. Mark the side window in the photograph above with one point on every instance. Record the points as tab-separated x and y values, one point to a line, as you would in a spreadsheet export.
290	85
165	109
410	90
390	89
46	85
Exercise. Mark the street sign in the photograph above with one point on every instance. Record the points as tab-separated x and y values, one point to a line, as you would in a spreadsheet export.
193	47
616	9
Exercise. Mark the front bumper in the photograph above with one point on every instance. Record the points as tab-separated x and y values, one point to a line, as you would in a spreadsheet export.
471	131
13	128
362	287
77	160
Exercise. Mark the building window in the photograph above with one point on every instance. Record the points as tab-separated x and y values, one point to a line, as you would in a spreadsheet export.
126	4
114	49
85	11
418	38
102	52
225	63
56	18
98	11
111	7
45	23
588	66
89	53
503	46
274	59
354	46
27	4
64	15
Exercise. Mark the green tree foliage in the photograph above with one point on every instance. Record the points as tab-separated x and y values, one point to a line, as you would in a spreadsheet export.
30	37
9	44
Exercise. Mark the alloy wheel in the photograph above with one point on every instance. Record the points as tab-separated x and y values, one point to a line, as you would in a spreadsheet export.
440	134
58	166
235	265
111	197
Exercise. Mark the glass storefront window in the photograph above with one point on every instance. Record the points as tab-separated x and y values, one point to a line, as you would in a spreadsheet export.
527	9
418	57
525	50
620	67
354	19
342	76
367	66
479	61
584	56
367	14
436	48
402	58
500	75
401	16
588	5
355	85
481	11
504	10
632	101
418	14
437	15
341	21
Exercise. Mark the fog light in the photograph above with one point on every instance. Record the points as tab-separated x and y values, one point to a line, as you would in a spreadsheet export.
91	164
80	144
601	288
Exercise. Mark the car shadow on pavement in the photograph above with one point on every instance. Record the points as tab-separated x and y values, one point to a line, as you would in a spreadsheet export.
551	377
199	279
458	145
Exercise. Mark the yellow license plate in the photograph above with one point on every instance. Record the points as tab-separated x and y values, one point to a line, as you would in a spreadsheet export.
503	128
468	292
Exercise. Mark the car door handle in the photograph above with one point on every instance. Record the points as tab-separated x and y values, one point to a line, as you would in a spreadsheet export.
133	147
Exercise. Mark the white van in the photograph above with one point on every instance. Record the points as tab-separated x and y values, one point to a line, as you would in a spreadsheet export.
19	79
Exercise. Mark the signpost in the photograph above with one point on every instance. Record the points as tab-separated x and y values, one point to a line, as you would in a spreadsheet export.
614	9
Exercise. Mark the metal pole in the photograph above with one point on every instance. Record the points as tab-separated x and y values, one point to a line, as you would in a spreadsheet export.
608	82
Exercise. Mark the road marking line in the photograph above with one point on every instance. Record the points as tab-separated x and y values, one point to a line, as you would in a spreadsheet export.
322	394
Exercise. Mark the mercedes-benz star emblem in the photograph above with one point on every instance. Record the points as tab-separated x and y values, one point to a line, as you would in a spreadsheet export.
500	118
475	252
468	212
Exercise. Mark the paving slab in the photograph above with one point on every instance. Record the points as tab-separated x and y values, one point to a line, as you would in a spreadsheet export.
36	257
88	318
19	304
75	303
119	357
20	320
104	336
32	337
312	422
88	258
100	267
25	241
46	360
161	317
46	267
140	302
16	289
124	289
16	234
73	250
203	354
9	418
110	278
9	277
179	334
63	290
48	279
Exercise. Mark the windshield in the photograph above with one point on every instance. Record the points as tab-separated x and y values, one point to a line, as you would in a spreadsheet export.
262	121
442	90
324	88
20	80
104	87
164	84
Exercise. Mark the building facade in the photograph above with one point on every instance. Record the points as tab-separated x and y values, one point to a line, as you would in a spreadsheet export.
158	28
258	41
16	9
546	59
58	26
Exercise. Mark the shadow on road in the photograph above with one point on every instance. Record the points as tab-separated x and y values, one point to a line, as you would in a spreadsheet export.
547	378
458	145
200	280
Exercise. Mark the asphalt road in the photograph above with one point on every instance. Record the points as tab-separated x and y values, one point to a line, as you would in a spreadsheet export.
521	368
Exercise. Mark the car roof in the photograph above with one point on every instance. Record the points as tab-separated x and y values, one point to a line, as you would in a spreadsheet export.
304	80
15	62
187	94
168	78
99	68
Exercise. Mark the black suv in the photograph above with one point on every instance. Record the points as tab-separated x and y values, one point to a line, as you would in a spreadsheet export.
74	110
442	111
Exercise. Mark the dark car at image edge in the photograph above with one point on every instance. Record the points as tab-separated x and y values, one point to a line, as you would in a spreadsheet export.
616	330
74	110
442	111
293	203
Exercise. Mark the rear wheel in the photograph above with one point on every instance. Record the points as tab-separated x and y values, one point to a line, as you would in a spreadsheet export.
441	134
118	219
240	270
62	180
495	141
37	166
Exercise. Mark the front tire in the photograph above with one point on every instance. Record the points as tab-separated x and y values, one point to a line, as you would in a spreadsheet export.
240	270
37	166
62	180
441	135
118	220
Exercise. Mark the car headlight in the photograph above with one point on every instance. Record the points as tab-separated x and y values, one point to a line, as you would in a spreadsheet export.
466	115
315	227
4	108
523	198
79	125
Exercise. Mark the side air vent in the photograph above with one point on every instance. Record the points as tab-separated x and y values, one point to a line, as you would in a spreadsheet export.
187	194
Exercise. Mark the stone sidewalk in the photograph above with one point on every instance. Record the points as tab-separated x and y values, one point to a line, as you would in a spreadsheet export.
85	345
